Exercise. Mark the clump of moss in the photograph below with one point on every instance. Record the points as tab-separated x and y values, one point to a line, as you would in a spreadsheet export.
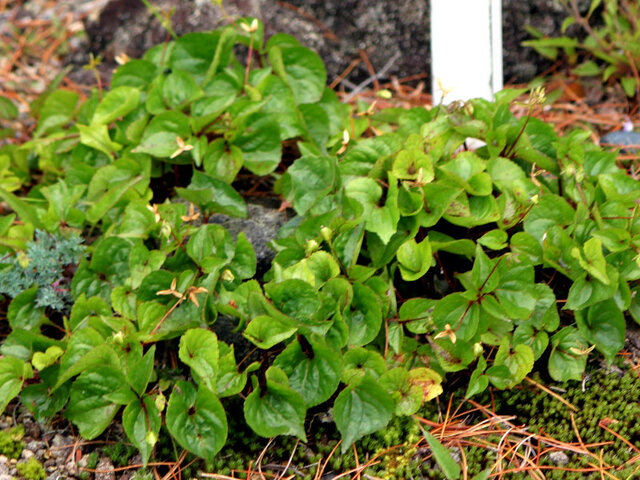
142	474
119	453
32	469
90	463
606	396
11	444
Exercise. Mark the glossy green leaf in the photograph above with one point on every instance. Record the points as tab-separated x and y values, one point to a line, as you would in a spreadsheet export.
160	136
23	311
117	103
57	109
179	89
265	331
199	350
358	362
230	380
141	421
135	73
25	211
603	324
312	179
301	69
13	373
568	357
88	408
461	314
313	369
295	298
478	382
363	407
364	318
494	239
196	420
260	143
517	358
97	136
414	259
213	195
274	408
139	373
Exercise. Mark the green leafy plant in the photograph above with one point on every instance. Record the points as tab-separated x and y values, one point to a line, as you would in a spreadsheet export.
409	256
610	48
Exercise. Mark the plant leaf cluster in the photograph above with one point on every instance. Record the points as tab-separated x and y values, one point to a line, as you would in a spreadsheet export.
610	47
410	256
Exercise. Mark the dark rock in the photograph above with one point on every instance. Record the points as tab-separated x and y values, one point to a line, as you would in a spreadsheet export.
621	138
260	227
336	29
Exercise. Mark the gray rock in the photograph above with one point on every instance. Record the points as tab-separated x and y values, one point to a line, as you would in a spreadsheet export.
35	445
104	470
260	227
559	458
621	138
71	468
5	476
4	465
59	440
27	454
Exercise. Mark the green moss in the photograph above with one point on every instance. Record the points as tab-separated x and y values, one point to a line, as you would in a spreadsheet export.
11	444
142	474
119	453
32	469
92	459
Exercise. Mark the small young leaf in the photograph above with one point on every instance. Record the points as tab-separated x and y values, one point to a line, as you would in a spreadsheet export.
265	331
414	259
13	373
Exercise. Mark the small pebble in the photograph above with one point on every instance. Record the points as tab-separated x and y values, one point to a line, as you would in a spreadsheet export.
71	468
27	454
35	445
559	458
59	440
104	470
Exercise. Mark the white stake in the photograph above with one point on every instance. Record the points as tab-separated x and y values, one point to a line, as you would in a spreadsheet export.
466	49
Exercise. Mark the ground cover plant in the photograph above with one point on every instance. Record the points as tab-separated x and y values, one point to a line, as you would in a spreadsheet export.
609	48
409	258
